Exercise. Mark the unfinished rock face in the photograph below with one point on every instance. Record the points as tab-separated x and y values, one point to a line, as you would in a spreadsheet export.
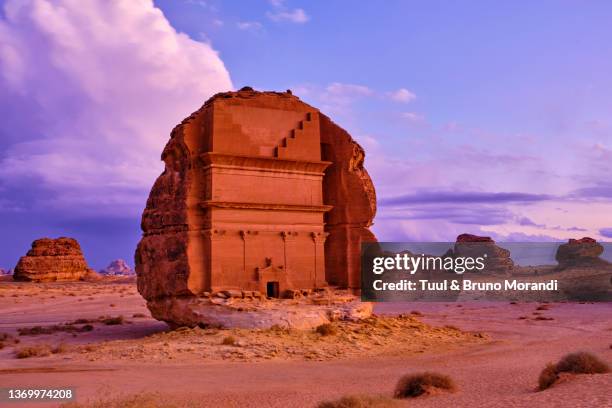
52	260
118	267
261	192
497	259
580	252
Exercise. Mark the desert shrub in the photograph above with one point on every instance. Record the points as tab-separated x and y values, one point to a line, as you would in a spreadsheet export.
574	363
229	341
326	329
451	327
139	315
543	318
60	348
37	350
83	321
543	307
582	363
414	385
416	313
548	376
113	321
359	401
66	327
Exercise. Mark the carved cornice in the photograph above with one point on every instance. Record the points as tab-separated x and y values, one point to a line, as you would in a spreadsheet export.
262	163
265	206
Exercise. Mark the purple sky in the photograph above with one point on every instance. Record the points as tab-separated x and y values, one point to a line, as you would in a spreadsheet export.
476	117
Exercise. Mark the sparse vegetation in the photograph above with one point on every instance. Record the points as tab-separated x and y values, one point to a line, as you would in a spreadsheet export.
113	321
575	363
326	329
229	341
139	315
359	401
414	385
416	313
38	350
66	327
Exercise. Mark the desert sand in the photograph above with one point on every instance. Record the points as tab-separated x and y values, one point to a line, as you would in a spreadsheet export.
493	350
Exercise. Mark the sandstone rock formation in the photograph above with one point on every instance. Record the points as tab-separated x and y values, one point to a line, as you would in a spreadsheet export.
118	267
52	260
497	259
260	192
584	252
5	272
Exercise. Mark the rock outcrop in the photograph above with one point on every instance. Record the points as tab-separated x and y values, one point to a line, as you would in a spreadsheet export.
52	260
498	259
5	272
260	192
118	267
584	252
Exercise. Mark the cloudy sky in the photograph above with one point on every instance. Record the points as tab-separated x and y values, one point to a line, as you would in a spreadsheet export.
484	117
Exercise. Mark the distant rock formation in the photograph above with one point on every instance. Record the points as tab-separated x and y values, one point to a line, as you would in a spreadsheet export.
5	272
584	252
118	267
497	258
52	260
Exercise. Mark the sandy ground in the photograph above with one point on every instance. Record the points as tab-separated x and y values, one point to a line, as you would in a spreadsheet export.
498	368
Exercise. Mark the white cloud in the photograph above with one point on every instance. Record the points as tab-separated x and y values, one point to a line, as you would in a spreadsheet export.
413	117
337	88
100	87
297	16
402	95
248	25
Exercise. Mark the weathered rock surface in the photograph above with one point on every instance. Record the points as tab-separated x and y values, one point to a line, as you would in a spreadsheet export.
259	313
118	267
497	259
580	252
260	192
52	260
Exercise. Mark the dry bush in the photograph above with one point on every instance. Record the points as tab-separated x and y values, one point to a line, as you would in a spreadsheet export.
359	401
326	329
66	327
548	376
543	307
416	313
37	350
113	321
229	341
543	318
139	315
414	385
582	363
574	363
